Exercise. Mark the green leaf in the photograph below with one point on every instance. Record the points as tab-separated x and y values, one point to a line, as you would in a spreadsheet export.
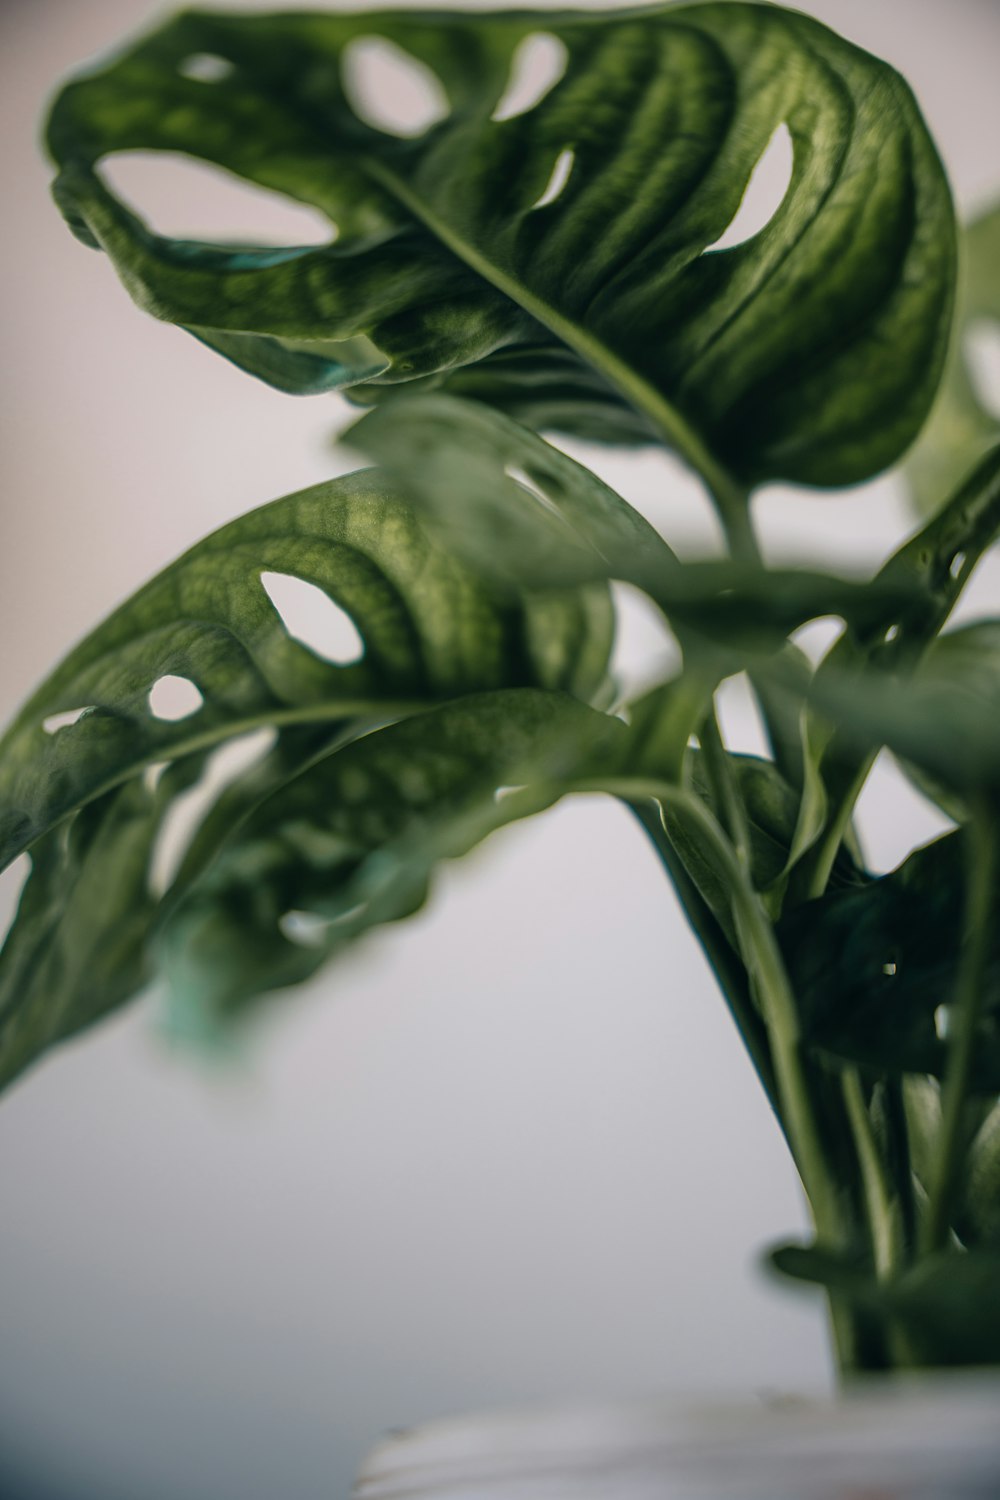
430	629
771	807
524	514
810	352
946	1308
934	565
944	719
873	968
961	427
351	842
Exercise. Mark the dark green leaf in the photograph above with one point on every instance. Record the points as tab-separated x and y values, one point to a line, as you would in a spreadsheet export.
810	352
947	1308
873	969
430	630
961	426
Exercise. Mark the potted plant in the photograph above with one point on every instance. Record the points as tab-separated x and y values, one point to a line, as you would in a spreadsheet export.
560	266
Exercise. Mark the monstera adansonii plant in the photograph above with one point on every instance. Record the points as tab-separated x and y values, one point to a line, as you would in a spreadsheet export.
503	271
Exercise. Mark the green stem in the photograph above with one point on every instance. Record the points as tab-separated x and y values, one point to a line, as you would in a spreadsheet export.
773	991
724	789
965	1012
724	962
882	1221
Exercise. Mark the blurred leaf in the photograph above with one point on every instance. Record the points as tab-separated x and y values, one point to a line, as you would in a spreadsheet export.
935	564
947	1307
771	807
351	843
430	629
810	352
524	514
873	969
961	427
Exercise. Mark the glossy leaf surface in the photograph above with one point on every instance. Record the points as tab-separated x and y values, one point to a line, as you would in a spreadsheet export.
585	224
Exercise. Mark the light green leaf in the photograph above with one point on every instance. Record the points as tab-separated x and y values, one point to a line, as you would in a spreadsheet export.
961	426
809	352
429	628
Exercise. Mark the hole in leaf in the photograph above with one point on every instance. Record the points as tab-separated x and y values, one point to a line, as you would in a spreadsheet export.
187	811
816	637
64	720
982	353
889	969
957	564
152	774
891	634
764	193
524	481
536	67
942	1022
389	89
311	617
304	928
644	651
173	698
12	883
205	67
188	199
503	792
558	179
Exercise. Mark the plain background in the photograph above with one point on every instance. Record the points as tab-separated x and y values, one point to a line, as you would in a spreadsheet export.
511	1150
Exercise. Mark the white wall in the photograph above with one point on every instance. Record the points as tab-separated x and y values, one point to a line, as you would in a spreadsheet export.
511	1150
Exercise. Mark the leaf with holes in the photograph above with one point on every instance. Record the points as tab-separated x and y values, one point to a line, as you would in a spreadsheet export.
964	422
585	227
874	968
201	654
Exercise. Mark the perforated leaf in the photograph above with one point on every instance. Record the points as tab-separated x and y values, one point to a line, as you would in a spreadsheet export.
585	224
430	629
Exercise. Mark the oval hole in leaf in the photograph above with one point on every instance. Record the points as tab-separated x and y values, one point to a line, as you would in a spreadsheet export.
942	1020
304	928
816	637
538	63
389	89
64	720
186	812
173	698
982	353
188	199
764	193
311	617
645	651
957	564
558	179
503	792
12	882
205	67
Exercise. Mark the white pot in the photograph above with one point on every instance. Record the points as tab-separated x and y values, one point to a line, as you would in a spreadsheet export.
919	1439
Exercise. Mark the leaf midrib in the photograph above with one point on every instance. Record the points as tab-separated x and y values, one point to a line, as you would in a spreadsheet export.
676	429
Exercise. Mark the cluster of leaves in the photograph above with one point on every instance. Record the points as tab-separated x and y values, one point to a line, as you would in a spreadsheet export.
496	274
